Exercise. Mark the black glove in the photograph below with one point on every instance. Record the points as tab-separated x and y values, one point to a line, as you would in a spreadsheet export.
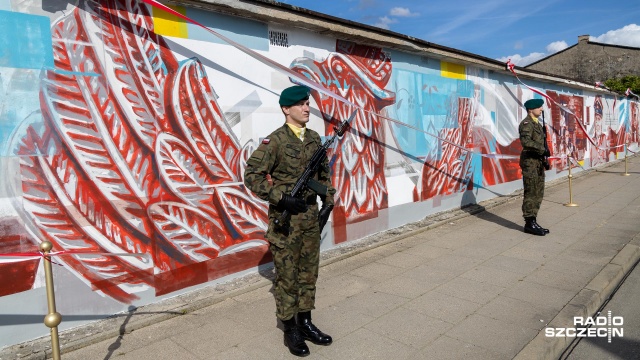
546	153
323	215
292	204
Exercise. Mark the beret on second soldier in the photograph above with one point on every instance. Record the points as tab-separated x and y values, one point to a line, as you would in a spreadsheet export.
533	104
291	95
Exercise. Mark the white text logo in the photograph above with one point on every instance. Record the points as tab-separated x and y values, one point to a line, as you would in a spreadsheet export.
599	326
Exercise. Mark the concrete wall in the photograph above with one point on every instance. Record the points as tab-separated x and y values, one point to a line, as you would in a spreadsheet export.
590	62
125	130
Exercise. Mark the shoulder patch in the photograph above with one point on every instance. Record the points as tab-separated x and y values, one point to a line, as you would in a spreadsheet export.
266	141
526	122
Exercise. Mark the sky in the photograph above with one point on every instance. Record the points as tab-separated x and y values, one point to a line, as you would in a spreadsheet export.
523	31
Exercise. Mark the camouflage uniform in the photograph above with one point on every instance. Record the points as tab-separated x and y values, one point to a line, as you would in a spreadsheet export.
532	140
296	255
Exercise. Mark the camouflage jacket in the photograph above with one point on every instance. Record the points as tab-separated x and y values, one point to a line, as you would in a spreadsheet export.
531	136
284	157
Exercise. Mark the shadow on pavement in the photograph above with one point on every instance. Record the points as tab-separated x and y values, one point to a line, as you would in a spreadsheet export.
470	206
21	319
123	328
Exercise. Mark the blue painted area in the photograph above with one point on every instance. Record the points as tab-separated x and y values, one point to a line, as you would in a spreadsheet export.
252	34
427	102
25	41
411	62
623	114
476	171
19	100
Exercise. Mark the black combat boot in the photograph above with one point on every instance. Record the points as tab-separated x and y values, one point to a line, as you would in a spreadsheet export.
311	332
531	228
535	222
293	338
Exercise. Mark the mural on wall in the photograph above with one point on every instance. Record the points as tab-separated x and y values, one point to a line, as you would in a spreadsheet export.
136	158
133	153
359	74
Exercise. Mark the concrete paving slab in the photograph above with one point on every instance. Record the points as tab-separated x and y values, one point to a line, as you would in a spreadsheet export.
493	276
539	294
512	264
518	312
405	286
447	348
556	279
409	327
363	344
494	335
442	306
470	290
373	303
161	350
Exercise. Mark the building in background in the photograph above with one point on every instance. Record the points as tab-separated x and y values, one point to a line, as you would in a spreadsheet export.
589	61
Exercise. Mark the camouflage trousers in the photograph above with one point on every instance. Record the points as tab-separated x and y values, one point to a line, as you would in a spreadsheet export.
533	183
296	260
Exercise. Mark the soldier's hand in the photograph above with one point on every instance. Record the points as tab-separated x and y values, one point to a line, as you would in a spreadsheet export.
292	204
323	215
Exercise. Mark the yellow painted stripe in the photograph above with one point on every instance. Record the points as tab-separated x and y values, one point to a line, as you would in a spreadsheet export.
170	25
452	71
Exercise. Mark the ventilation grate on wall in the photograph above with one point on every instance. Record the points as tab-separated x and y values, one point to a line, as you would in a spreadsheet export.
278	38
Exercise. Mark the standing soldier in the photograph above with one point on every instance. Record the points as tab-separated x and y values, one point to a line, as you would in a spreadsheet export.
532	159
271	172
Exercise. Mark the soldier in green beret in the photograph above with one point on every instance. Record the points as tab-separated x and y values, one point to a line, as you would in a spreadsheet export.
271	172
532	158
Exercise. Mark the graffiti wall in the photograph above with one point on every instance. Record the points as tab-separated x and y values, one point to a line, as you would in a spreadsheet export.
125	132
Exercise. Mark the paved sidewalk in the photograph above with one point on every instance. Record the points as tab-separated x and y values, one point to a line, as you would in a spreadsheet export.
472	287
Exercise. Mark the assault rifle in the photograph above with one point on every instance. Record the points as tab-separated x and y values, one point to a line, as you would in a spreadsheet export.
545	158
306	180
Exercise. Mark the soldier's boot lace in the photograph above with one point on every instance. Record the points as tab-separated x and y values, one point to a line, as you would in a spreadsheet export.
535	222
531	228
293	338
310	331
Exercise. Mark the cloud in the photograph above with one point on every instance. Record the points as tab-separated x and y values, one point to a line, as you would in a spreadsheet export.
402	12
627	36
384	22
520	60
556	46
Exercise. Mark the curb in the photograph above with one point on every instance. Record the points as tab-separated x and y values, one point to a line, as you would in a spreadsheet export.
146	315
586	303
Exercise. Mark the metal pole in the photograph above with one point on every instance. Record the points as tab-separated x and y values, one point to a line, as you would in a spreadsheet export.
626	172
570	203
53	318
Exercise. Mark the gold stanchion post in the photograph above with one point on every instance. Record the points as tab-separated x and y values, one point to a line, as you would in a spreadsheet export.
53	318
626	172
570	203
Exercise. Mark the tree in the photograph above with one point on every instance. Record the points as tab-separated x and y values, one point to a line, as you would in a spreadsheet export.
627	82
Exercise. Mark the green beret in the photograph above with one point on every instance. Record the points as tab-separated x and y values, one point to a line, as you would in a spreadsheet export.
533	104
291	95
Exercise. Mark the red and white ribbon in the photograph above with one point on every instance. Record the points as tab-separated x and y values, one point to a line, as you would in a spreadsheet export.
24	256
511	67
